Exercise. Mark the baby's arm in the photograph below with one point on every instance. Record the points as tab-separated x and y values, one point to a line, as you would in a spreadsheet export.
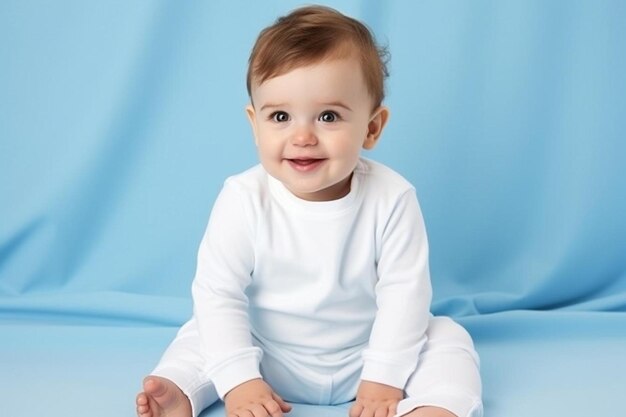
213	353
220	301
399	333
403	295
256	398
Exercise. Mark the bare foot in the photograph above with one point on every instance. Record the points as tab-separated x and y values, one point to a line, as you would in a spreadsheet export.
162	398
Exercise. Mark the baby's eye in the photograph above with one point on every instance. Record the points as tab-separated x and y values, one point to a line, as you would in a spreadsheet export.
328	117
279	117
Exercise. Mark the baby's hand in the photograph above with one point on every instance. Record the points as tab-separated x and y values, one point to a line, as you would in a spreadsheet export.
376	400
254	398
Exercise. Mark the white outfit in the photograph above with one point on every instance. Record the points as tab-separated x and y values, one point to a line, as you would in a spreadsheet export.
315	296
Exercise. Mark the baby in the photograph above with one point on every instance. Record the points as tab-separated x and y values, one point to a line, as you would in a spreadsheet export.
312	283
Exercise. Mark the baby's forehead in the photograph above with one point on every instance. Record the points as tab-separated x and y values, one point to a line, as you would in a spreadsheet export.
289	67
320	83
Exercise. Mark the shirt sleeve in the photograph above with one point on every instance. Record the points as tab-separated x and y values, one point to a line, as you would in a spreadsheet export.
403	297
225	264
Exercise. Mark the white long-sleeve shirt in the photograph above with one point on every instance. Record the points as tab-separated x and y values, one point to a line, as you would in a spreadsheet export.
321	284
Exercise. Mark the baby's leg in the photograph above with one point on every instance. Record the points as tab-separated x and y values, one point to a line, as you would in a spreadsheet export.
178	386
447	374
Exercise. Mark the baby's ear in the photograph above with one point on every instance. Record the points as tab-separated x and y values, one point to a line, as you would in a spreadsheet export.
375	127
250	113
252	119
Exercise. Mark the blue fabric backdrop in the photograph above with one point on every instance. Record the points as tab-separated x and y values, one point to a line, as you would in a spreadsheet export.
120	120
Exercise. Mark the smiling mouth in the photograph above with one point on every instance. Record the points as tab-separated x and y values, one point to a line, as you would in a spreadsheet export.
305	164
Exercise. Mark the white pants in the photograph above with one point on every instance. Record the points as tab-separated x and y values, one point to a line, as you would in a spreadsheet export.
446	376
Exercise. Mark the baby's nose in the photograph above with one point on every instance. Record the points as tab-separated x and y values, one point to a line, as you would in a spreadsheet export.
304	135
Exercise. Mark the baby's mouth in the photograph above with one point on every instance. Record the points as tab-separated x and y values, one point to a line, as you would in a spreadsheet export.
305	164
304	161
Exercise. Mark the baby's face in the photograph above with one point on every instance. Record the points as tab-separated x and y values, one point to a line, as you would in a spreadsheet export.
310	125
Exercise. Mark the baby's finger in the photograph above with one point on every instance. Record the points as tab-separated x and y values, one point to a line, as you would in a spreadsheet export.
258	410
355	410
242	412
367	411
381	411
285	408
273	408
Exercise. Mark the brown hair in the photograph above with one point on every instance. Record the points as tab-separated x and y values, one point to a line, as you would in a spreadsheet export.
311	34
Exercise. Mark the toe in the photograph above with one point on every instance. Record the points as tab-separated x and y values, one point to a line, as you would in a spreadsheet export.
142	399
143	407
156	387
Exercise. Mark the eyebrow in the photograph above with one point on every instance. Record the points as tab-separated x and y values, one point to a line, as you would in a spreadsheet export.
337	104
271	106
330	103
